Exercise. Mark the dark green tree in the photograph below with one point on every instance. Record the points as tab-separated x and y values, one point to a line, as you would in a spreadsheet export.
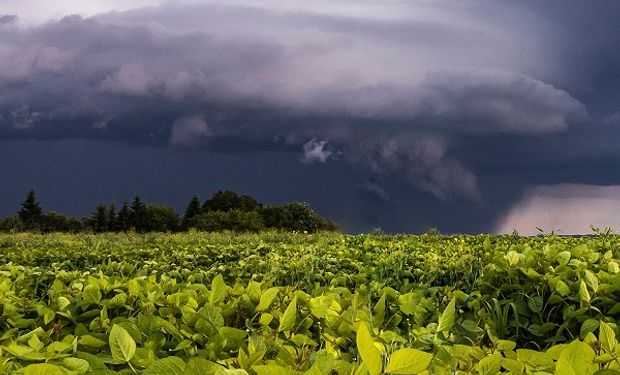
11	224
139	216
98	221
297	216
31	213
162	218
54	222
226	200
123	219
235	220
193	209
112	224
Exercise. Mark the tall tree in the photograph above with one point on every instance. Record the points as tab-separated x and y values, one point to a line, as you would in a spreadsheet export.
112	224
226	200
123	219
31	214
162	218
98	221
139	215
193	209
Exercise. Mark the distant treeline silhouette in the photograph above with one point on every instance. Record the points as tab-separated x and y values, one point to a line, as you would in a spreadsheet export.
225	210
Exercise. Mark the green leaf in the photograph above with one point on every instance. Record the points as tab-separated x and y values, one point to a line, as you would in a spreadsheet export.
370	355
323	364
513	365
266	298
219	289
63	302
166	366
94	361
287	321
561	288
78	365
584	295
92	293
91	341
535	303
506	345
563	257
446	321
576	359
122	345
408	361
607	337
490	365
534	359
589	325
43	369
200	366
209	320
591	280
273	370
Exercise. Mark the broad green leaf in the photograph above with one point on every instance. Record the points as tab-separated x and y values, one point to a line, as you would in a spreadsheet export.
561	288
490	365
535	303
78	365
200	366
408	361
209	319
446	321
370	355
563	257
323	364
43	369
94	361
506	345
219	290
607	337
166	366
584	295
265	319
591	280
513	366
576	359
122	345
35	343
91	341
63	302
532	358
91	293
287	321
589	325
273	370
266	298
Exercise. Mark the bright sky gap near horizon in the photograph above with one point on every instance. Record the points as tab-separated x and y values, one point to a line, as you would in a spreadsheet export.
468	116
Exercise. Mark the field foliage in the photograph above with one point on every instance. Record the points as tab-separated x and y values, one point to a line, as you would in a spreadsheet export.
326	303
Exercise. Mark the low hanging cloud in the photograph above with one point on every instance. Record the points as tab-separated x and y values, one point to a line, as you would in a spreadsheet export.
565	209
391	97
189	131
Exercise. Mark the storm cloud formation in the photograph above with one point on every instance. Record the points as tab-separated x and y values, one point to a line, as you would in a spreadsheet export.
450	101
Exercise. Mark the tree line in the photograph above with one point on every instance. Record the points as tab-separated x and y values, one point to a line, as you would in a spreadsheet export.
225	210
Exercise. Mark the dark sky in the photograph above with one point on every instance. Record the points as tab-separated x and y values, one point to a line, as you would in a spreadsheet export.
467	116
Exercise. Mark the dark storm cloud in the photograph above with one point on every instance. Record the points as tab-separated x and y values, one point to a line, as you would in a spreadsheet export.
443	98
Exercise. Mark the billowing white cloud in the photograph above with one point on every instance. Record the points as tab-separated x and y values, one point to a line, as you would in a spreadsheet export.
316	151
565	208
